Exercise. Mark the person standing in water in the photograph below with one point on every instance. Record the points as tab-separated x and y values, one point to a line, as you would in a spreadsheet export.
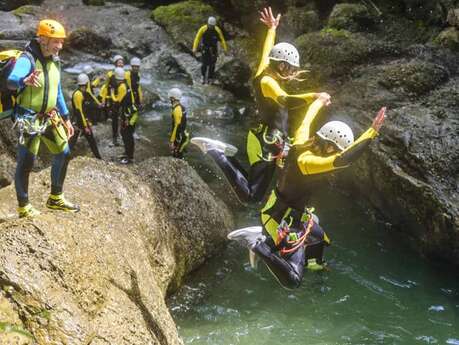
209	35
179	137
268	142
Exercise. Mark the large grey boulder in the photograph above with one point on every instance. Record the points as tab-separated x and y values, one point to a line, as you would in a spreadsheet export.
101	276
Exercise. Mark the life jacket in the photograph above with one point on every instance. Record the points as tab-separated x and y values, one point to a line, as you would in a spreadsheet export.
41	99
8	60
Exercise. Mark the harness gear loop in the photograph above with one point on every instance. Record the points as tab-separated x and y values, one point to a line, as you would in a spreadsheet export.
294	242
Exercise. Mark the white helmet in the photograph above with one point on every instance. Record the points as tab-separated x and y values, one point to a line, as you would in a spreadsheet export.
212	21
338	133
83	79
285	52
117	57
88	69
175	93
119	73
135	61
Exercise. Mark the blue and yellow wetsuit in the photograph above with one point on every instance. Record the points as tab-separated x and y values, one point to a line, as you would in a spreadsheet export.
287	202
179	135
266	142
40	100
81	101
209	36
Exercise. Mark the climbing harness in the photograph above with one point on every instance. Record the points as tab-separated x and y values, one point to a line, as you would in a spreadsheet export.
291	241
33	124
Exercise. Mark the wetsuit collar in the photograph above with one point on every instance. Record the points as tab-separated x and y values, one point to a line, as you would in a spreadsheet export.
33	47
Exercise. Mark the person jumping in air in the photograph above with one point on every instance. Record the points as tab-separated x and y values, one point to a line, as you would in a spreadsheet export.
41	116
180	137
209	35
269	141
291	236
81	102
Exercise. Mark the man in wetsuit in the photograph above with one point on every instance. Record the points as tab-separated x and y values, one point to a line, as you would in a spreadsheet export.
209	35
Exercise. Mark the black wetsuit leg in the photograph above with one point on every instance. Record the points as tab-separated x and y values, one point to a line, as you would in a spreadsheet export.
25	160
127	134
115	123
289	270
248	187
92	144
212	61
315	244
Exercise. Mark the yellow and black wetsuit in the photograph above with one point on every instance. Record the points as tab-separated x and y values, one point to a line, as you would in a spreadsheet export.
179	135
209	36
81	101
133	81
267	142
287	203
93	109
126	111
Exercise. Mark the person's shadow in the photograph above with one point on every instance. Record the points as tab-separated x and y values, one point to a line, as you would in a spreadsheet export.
135	296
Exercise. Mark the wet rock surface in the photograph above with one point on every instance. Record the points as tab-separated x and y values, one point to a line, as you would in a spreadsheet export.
100	276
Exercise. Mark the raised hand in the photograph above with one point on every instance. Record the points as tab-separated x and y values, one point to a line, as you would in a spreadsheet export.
379	119
267	18
32	79
325	98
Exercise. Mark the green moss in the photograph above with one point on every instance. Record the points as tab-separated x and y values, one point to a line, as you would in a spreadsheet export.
9	328
448	38
24	10
183	19
94	2
336	33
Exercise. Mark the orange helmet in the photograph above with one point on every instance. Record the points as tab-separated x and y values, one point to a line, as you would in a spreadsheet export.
50	28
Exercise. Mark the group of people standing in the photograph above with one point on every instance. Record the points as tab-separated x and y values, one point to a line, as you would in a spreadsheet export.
290	237
119	98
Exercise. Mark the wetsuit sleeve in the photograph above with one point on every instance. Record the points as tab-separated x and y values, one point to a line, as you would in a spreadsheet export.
103	92
61	105
267	46
78	102
222	38
198	37
21	70
95	82
177	114
271	89
94	98
302	133
310	164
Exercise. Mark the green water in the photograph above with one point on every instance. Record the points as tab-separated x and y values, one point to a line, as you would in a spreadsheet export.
376	292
